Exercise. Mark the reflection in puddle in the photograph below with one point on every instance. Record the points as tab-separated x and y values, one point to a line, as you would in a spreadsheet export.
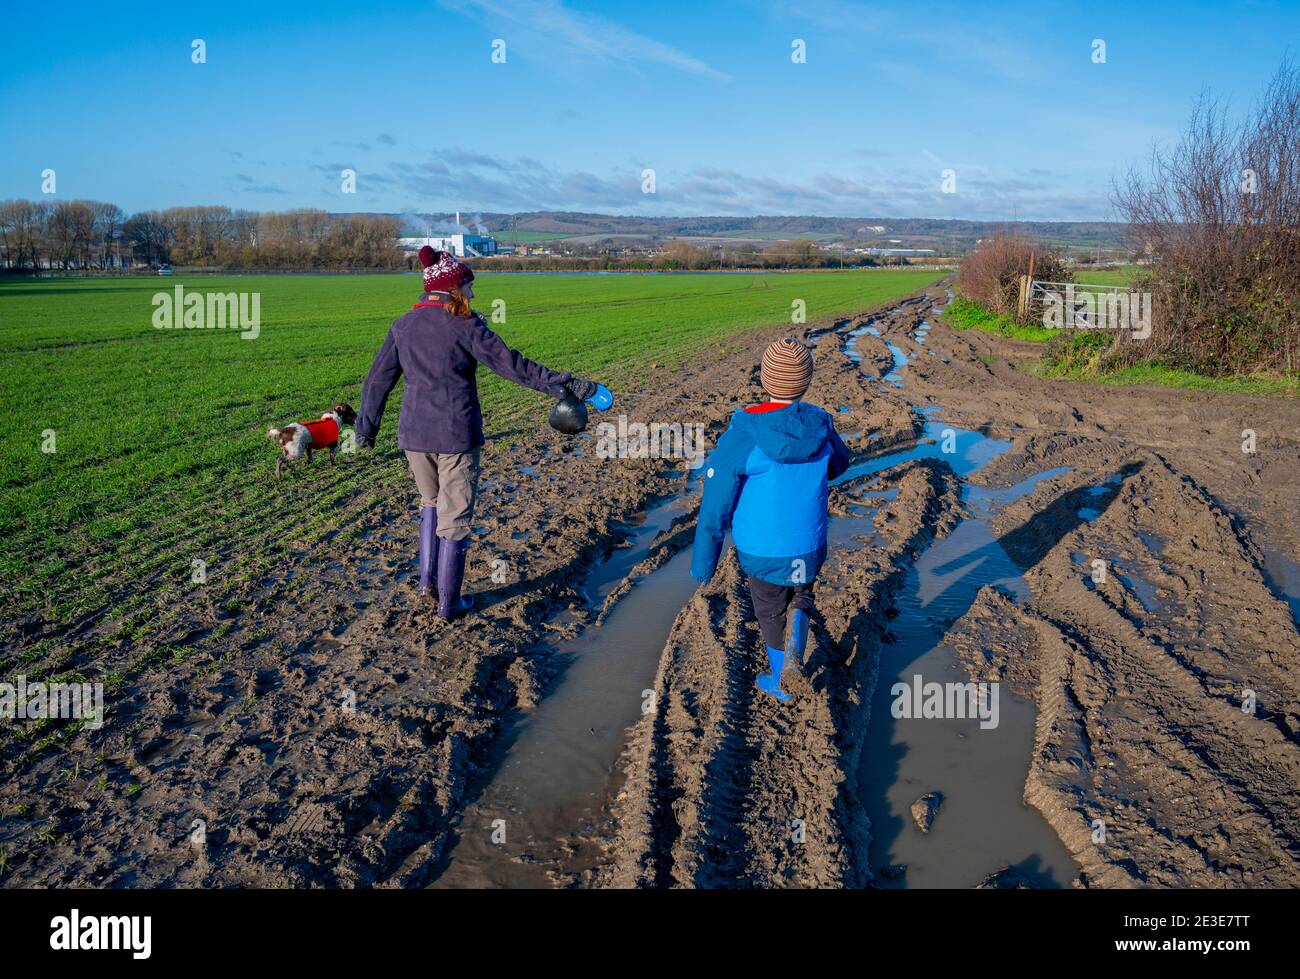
1142	588
984	824
988	497
964	450
560	767
895	376
1153	543
1283	576
850	347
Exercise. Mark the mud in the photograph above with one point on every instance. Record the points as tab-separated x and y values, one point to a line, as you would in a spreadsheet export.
1140	757
356	740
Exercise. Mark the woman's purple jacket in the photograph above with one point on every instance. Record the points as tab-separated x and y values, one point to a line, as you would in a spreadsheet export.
439	353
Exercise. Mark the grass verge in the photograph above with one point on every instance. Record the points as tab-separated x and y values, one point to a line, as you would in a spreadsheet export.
965	314
1083	356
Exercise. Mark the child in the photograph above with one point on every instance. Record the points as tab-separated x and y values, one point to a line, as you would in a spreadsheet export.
766	481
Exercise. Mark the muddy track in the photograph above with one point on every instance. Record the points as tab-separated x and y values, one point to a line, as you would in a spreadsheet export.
1168	744
341	731
728	788
338	730
1145	763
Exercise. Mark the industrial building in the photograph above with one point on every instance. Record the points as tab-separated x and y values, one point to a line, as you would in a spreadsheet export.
459	245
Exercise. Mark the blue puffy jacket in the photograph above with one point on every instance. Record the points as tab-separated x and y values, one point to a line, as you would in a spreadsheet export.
766	481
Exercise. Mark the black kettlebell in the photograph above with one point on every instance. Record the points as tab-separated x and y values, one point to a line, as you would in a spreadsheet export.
569	415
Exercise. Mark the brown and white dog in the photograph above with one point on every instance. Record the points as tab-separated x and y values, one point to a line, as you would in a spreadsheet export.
303	438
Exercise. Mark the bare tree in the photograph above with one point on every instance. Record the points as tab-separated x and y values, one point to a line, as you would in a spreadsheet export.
990	274
1218	216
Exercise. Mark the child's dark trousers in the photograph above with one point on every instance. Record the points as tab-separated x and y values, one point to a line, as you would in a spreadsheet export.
771	602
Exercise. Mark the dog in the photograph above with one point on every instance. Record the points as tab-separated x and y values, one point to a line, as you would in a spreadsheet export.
303	438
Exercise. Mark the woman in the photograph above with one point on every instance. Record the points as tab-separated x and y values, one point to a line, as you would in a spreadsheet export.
438	346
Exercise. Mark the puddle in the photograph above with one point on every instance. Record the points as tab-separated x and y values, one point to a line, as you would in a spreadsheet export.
640	536
558	771
1283	576
559	768
852	534
989	497
1142	588
964	450
887	495
1089	514
1153	543
895	376
850	345
983	824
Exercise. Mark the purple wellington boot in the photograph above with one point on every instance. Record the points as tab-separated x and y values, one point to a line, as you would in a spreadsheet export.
451	572
428	547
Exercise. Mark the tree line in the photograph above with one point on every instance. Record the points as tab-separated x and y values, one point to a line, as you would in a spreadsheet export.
683	256
96	236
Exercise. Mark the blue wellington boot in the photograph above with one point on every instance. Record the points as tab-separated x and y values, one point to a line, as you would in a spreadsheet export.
428	547
770	683
798	641
451	573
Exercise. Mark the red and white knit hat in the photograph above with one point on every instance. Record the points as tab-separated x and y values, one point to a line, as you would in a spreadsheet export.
787	369
442	271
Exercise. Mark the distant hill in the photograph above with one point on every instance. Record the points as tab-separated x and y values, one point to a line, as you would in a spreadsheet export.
942	235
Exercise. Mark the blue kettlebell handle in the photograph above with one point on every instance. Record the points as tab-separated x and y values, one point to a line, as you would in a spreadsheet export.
602	400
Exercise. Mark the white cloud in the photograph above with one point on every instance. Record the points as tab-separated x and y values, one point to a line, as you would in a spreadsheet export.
454	178
547	27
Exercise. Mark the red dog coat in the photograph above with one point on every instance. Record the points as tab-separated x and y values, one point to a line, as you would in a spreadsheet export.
324	432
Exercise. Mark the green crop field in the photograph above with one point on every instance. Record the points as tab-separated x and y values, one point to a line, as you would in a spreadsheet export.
1120	276
530	237
160	455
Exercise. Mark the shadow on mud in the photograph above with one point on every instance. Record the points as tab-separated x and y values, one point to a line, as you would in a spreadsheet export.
1031	541
983	825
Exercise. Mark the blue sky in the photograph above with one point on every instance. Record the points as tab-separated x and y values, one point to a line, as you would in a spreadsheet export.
592	94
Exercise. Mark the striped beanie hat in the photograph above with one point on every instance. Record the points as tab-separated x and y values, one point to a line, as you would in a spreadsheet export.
787	369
